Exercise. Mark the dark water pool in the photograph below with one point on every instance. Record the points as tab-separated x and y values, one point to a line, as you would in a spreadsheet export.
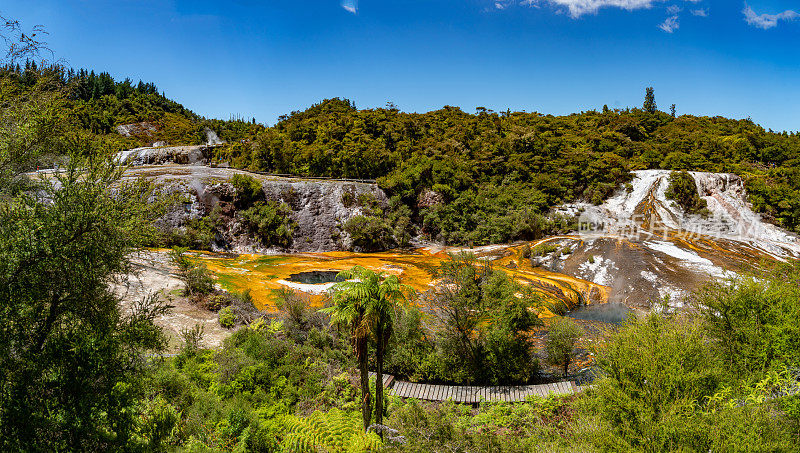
612	313
315	277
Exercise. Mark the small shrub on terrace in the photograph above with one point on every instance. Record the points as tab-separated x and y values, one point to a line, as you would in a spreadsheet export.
227	317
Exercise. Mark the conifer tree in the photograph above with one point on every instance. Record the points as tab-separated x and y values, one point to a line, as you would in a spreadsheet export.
650	100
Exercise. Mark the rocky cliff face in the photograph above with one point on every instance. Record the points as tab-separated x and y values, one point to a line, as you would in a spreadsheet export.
194	155
317	206
645	248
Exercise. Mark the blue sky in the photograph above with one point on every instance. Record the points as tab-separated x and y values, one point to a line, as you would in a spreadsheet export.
266	58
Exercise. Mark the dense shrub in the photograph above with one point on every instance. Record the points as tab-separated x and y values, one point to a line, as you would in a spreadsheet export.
369	233
271	222
227	317
753	321
683	189
561	341
248	189
478	329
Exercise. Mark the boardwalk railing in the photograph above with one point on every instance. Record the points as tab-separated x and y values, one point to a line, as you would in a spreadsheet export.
474	394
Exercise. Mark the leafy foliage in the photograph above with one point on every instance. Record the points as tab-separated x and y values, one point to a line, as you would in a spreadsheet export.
753	320
561	340
197	279
70	359
248	189
227	317
270	221
331	431
683	189
477	331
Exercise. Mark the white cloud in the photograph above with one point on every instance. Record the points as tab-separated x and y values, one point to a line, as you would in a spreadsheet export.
351	6
670	24
702	12
577	8
767	21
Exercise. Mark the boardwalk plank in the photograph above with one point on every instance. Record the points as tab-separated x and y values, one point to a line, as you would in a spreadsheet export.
471	394
542	389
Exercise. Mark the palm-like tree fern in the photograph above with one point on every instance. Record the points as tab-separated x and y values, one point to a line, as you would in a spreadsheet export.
364	303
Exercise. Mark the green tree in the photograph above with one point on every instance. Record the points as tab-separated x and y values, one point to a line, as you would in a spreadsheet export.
69	358
753	320
560	344
390	291
482	320
364	303
248	190
683	189
271	222
650	100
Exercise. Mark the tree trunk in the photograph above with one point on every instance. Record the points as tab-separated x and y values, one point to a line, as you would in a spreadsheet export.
366	395
379	376
566	367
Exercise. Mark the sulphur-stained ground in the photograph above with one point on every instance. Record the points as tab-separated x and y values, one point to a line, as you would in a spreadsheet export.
263	274
155	274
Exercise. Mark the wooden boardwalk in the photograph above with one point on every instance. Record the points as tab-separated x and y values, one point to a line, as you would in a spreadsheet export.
474	394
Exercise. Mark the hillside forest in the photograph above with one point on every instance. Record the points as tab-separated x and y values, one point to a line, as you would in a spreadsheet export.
452	177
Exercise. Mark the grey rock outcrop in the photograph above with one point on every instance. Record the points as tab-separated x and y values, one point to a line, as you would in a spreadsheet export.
317	206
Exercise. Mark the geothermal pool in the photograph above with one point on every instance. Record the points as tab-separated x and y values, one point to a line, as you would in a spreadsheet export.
315	273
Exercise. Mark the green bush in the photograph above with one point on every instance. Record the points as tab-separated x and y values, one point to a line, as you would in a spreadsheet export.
271	222
683	189
544	249
227	317
753	321
197	279
479	328
248	189
658	370
369	233
562	338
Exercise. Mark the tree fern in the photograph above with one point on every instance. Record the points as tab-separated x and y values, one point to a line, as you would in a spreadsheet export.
333	431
